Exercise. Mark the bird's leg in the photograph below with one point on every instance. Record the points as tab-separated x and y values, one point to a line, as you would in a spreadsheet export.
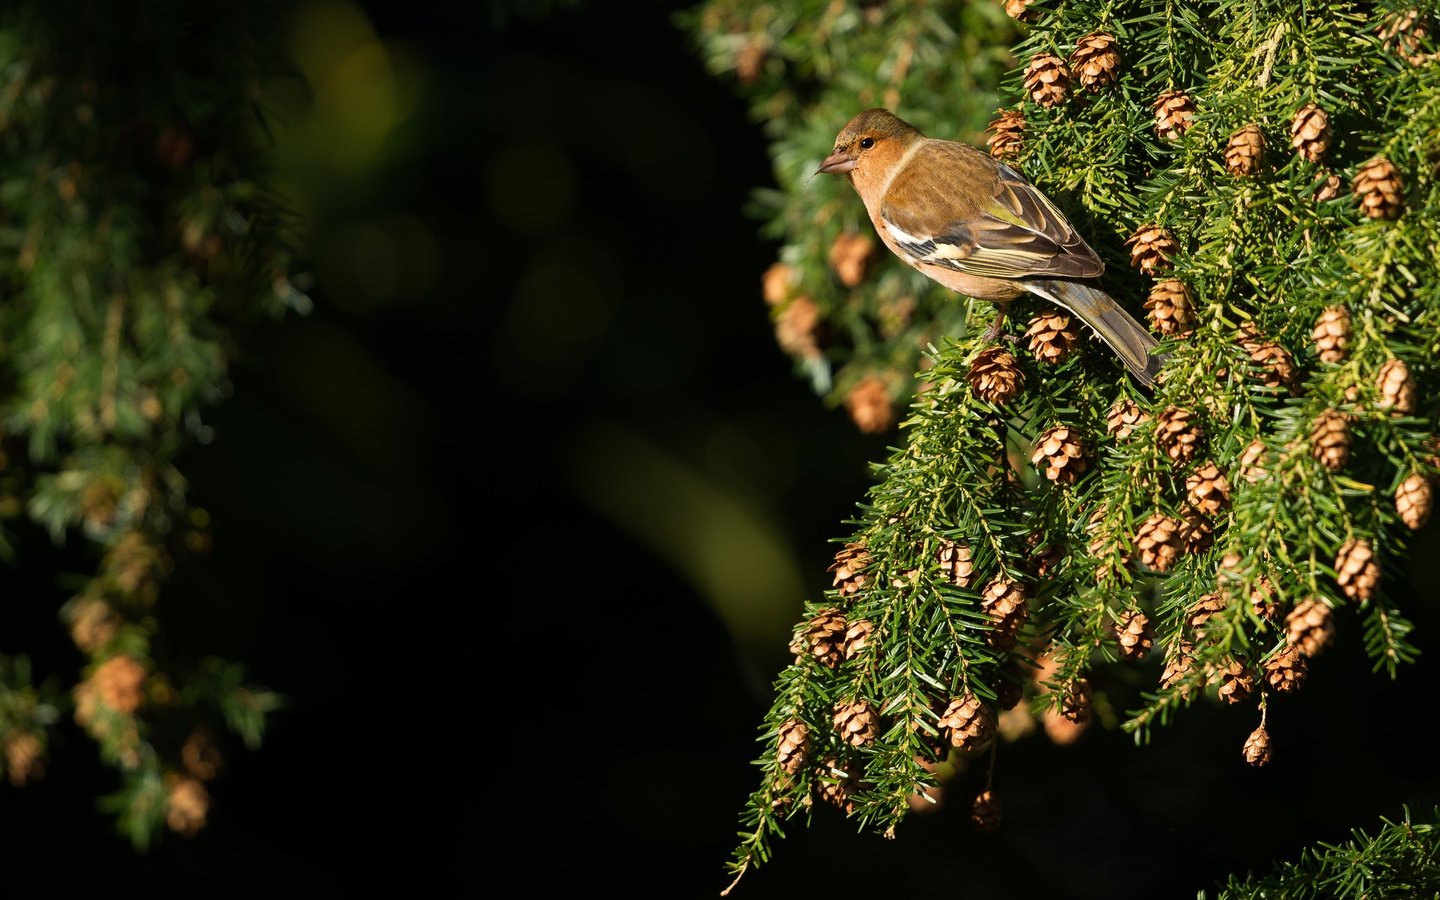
993	332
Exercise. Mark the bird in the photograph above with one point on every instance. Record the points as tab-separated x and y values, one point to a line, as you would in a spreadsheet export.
975	225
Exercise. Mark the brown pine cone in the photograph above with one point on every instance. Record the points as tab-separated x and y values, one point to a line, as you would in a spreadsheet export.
956	562
1179	663
1004	601
1203	610
849	568
1397	387
1174	112
1328	188
1171	311
1330	440
1076	704
1096	61
1045	560
1356	570
837	783
778	283
1047	78
968	724
1007	132
1197	532
186	805
1236	681
1135	635
1252	467
857	638
1404	34
1158	541
24	757
1124	417
870	405
1310	132
1276	365
1264	599
1381	189
1257	747
1179	434
120	682
797	328
1413	501
995	376
851	257
1245	151
1061	455
855	722
1285	671
1332	333
794	746
985	813
1018	9
824	638
1310	627
1207	488
1152	248
1051	337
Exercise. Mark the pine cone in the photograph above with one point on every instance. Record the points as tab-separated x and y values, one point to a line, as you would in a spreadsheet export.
1397	387
1152	248
824	638
1257	747
1413	501
1174	112
1252	467
750	61
1310	627
794	746
1061	455
1332	333
1245	151
1135	635
1197	533
1004	601
1006	134
1207	489
1381	189
1159	542
1203	610
1264	599
837	784
855	722
985	814
1404	33
1285	671
1018	9
995	376
849	568
1310	132
1124	417
1276	365
797	328
1330	440
851	257
186	805
1051	337
1096	61
24	757
120	682
968	723
1328	189
1356	570
1045	560
1047	78
1077	703
777	283
956	562
857	638
1172	312
1179	435
870	405
1236	681
1179	663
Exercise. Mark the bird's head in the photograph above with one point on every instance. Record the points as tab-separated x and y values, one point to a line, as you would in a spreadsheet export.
875	134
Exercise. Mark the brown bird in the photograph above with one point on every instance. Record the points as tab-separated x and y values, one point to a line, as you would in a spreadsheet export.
978	227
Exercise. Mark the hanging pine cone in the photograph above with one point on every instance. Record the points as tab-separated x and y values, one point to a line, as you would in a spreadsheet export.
1328	188
1332	334
1404	34
794	746
778	283
956	562
1152	247
797	328
1413	501
1135	635
870	405
1310	132
968	724
1197	532
1330	440
1207	488
1174	112
1179	663
995	376
1076	704
1006	134
1096	61
1257	747
1381	189
1275	365
824	638
1018	9
1044	560
1170	308
1236	681
1356	570
837	783
1245	151
849	568
851	257
985	813
1004	601
1264	599
855	722
1061	455
1285	671
1396	387
1179	435
1252	467
1124	417
857	638
1203	610
1047	78
1158	541
1310	627
1051	337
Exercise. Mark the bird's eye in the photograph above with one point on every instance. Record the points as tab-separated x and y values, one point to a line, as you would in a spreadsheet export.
866	143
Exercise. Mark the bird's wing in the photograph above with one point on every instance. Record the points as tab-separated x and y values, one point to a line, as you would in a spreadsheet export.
956	207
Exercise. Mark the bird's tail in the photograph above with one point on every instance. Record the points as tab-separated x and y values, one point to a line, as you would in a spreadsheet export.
1130	340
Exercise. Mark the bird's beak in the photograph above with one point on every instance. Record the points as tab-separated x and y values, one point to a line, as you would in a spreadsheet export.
837	162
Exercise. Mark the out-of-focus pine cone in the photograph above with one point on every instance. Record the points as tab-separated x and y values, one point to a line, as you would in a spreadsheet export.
1047	78
778	283
1332	333
995	376
1171	309
1404	33
851	257
1174	112
797	326
1245	151
870	405
1252	462
985	813
1096	61
1018	9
